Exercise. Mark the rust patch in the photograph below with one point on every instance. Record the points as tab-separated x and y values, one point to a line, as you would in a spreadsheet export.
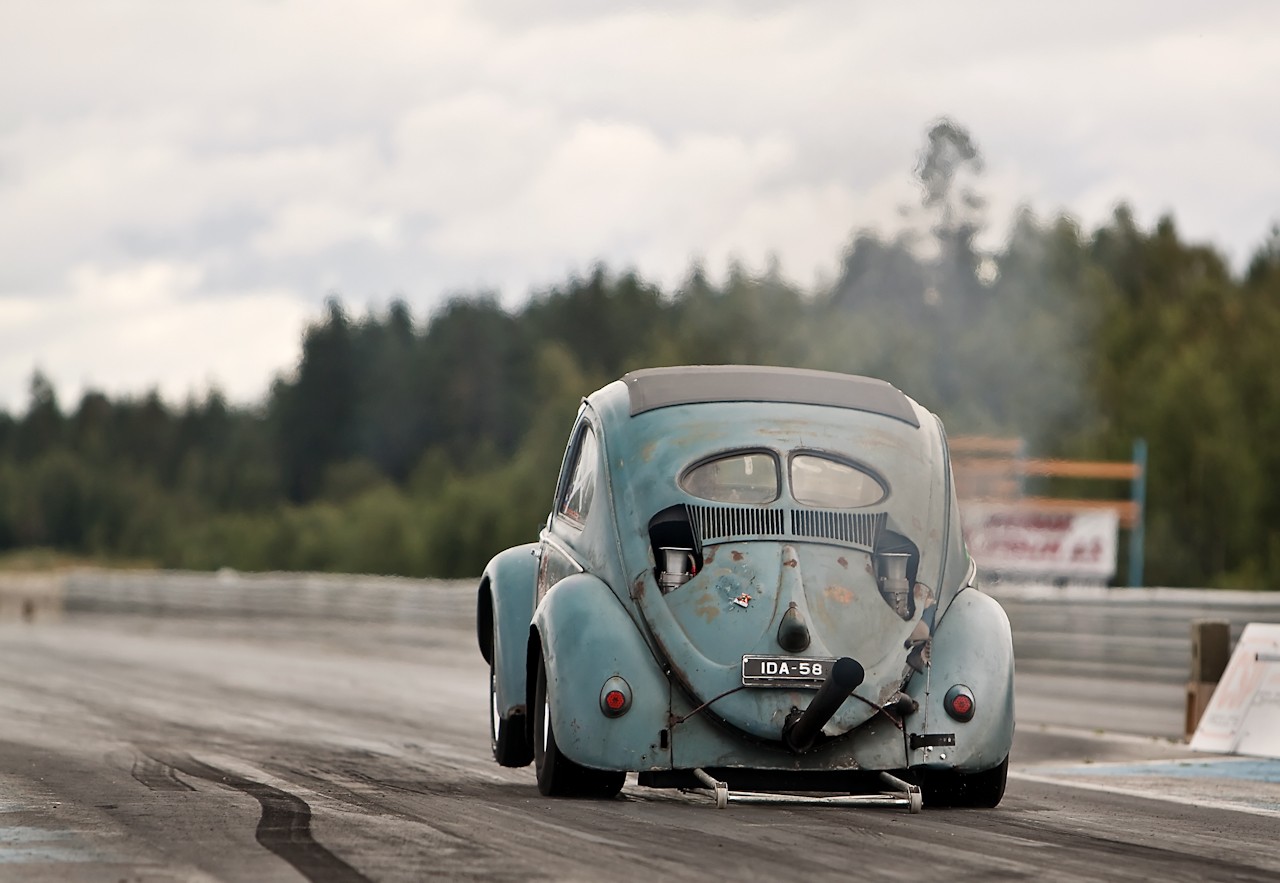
843	562
708	557
737	556
791	562
707	608
839	595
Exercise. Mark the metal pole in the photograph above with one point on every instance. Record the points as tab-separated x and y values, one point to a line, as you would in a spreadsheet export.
1137	536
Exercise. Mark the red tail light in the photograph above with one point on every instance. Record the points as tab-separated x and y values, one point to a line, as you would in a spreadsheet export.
959	703
615	697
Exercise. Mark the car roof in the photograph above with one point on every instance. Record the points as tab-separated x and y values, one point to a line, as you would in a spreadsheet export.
653	388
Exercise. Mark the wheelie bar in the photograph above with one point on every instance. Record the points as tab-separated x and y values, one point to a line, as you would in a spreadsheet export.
900	793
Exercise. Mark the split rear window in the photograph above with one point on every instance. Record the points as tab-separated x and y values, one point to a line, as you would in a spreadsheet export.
832	484
743	477
816	480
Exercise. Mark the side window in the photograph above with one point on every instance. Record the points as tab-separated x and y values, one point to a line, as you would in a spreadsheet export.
581	488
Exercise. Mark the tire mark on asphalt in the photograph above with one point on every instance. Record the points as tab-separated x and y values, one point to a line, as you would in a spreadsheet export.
157	775
285	825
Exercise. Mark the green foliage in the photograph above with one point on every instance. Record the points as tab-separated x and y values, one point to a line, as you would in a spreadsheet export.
424	449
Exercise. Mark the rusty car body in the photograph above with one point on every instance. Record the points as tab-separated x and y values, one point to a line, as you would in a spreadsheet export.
751	578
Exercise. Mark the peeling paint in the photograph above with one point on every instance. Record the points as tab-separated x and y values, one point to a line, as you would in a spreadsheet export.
727	585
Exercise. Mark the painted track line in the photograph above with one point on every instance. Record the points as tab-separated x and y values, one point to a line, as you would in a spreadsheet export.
1206	802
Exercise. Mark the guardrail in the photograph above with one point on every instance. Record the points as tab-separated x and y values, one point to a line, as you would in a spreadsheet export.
1121	632
1105	632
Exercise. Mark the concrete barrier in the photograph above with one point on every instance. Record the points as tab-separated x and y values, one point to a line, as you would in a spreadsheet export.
229	593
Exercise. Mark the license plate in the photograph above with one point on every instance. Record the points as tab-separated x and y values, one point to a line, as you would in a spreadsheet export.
785	671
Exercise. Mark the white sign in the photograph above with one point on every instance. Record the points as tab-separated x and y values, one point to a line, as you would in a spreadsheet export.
1243	716
1011	539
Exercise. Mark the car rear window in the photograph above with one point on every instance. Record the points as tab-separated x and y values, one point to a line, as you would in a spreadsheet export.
832	484
743	477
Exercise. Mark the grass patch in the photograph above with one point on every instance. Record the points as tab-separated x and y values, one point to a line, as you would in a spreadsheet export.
42	559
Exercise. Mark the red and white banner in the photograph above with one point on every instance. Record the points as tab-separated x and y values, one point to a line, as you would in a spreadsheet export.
1070	544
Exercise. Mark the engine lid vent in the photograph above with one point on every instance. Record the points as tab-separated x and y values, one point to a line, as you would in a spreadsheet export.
718	524
854	528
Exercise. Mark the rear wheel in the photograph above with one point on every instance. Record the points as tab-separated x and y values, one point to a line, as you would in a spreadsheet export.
982	789
558	776
507	736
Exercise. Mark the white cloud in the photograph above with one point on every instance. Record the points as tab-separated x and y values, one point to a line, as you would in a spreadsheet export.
609	184
305	229
248	158
140	327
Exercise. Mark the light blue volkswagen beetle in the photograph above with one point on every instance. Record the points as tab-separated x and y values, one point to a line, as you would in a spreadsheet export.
752	581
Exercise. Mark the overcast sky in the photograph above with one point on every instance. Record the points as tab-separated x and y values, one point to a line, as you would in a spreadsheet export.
182	184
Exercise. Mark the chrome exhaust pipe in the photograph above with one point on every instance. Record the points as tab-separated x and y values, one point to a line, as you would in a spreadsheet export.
802	727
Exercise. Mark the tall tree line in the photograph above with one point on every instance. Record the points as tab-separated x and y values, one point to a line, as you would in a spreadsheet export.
422	447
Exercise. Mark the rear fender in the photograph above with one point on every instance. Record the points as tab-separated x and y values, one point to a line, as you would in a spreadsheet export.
586	637
504	608
973	646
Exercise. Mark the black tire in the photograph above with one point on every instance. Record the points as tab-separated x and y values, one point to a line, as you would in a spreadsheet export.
507	736
984	789
558	776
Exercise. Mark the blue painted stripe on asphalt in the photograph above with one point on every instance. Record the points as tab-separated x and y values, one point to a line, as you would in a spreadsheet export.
31	855
25	844
1247	769
29	834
